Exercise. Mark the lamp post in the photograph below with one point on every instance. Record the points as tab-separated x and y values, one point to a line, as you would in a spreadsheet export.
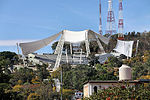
61	82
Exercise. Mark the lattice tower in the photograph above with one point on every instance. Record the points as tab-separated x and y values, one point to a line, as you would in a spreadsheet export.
100	18
111	28
120	22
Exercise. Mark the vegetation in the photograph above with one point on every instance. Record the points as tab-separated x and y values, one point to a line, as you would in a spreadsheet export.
25	83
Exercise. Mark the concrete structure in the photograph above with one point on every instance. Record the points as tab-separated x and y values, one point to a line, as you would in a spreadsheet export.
125	73
93	86
33	60
68	37
17	67
51	58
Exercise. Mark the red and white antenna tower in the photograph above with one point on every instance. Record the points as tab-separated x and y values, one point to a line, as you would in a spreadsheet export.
100	18
120	23
111	28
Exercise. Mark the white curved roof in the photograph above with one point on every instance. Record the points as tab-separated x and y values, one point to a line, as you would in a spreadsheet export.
75	36
69	36
124	66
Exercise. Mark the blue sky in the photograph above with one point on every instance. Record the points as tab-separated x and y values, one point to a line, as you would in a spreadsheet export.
28	20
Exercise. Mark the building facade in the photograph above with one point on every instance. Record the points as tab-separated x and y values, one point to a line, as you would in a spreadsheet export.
93	86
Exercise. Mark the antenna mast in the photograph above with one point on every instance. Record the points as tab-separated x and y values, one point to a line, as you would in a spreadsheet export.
120	23
111	28
100	18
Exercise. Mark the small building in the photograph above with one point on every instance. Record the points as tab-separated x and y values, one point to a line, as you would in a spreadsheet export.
93	86
32	59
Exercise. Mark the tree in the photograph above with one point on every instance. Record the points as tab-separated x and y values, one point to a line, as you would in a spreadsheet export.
23	74
105	73
7	55
74	78
54	45
41	72
114	62
66	46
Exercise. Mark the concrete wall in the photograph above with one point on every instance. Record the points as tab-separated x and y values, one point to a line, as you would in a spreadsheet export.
89	87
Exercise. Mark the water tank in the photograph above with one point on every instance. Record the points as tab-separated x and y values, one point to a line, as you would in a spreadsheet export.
125	73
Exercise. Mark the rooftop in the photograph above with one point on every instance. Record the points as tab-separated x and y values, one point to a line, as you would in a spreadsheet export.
117	81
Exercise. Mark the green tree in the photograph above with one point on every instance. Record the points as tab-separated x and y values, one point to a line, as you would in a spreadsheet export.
23	74
41	72
74	78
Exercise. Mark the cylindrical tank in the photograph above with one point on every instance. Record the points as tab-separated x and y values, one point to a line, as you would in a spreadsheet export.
125	73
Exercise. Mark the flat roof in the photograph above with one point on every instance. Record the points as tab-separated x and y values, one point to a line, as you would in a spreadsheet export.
117	81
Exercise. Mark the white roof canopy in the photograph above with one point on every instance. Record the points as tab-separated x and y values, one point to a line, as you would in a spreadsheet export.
74	37
124	47
69	36
31	47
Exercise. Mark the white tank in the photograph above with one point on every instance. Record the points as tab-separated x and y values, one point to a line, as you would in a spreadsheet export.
125	73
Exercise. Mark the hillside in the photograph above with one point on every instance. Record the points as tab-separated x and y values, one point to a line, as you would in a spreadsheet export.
28	84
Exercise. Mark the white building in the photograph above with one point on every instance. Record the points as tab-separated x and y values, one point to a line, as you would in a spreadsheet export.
68	37
93	86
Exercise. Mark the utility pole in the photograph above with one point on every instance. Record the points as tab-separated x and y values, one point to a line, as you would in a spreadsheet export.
18	50
137	44
61	83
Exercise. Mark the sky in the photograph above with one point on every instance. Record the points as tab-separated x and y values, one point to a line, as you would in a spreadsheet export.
30	20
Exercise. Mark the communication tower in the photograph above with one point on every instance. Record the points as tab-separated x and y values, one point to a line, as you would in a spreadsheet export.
120	23
100	18
110	29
